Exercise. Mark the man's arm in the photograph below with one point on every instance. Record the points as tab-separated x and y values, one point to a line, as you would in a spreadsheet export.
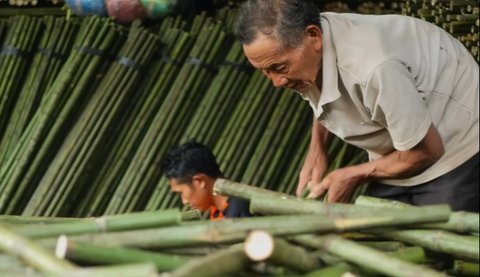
316	161
341	183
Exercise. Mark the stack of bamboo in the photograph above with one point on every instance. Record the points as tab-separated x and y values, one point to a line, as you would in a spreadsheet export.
87	116
102	103
292	236
459	18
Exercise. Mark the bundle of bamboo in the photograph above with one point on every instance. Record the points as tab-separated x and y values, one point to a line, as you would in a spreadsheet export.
279	245
99	108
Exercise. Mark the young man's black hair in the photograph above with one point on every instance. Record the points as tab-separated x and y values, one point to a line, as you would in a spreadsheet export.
192	170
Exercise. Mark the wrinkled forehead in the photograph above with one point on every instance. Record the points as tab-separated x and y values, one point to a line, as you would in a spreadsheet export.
264	48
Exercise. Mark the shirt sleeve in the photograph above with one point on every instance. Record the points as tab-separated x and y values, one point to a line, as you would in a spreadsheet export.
395	103
237	208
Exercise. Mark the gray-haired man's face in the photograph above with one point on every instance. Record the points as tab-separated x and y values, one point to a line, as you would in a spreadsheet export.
295	68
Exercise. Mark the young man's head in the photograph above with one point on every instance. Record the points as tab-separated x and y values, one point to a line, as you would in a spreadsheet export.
191	169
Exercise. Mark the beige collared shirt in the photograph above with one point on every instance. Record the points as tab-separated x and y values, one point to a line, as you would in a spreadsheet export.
387	78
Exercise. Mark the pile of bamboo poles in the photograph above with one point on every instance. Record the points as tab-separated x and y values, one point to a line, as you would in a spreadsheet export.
92	109
459	18
289	236
99	109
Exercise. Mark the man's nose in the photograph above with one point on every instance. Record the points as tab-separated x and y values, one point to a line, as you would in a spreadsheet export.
279	81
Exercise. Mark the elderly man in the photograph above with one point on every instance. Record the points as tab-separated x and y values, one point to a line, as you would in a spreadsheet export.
399	87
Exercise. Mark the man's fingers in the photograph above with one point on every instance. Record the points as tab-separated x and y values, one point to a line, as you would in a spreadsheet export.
317	191
302	182
317	175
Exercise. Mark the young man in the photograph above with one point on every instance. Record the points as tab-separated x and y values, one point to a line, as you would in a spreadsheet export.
398	87
192	170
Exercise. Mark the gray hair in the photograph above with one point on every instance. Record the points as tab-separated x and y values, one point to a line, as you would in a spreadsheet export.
282	19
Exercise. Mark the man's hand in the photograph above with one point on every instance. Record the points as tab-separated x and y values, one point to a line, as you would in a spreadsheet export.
312	171
316	162
340	184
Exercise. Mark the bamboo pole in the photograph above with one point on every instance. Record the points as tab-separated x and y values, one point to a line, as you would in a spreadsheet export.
43	133
31	253
235	230
125	270
220	263
463	268
122	153
137	220
17	219
93	254
367	257
462	222
243	191
276	206
260	246
436	240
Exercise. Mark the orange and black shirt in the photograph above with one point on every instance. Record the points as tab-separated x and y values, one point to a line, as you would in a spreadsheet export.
234	207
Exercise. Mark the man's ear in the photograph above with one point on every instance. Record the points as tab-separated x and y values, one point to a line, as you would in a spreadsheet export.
314	34
200	180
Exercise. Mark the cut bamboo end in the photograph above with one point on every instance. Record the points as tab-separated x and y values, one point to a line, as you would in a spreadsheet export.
61	248
259	245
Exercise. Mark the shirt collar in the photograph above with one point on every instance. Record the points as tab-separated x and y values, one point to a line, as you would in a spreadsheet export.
329	91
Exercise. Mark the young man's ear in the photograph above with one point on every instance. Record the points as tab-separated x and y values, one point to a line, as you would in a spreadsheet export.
200	180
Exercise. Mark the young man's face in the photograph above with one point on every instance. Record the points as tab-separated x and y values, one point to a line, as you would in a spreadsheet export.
196	194
295	68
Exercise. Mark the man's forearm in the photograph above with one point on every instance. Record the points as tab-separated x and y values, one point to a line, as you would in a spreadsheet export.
396	165
404	164
320	137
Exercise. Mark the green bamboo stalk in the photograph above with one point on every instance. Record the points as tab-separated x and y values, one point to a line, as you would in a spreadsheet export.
276	178
256	167
239	150
436	240
261	246
463	268
211	135
158	195
220	263
123	152
110	115
243	191
17	110
74	153
13	266
245	101
17	219
275	166
462	222
92	254
125	270
200	86
138	178
31	253
122	190
291	175
103	41
384	245
137	220
37	81
201	233
413	254
23	38
366	257
22	166
337	270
